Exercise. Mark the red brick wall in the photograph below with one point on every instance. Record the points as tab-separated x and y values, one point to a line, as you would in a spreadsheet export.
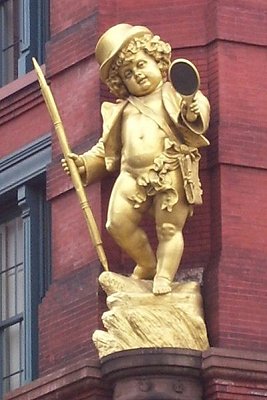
227	41
21	110
218	237
235	286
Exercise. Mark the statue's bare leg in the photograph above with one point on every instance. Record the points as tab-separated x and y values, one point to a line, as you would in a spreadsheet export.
123	224
169	226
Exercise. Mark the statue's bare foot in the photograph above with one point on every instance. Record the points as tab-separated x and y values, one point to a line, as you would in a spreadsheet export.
143	273
161	285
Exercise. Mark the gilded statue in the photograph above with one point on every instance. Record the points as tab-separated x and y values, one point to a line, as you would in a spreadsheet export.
151	136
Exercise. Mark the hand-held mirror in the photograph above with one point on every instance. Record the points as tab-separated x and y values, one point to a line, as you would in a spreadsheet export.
184	77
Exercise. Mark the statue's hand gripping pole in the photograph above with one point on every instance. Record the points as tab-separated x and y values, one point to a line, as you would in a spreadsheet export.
75	176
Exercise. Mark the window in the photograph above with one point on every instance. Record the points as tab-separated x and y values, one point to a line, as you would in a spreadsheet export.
24	30
24	260
12	304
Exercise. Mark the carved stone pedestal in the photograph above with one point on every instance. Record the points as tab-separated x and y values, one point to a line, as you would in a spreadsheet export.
154	374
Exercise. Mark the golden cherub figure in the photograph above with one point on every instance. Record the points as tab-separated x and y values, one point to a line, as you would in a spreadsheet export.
152	137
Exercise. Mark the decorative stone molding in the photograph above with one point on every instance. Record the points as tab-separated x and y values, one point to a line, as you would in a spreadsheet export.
68	383
234	374
166	373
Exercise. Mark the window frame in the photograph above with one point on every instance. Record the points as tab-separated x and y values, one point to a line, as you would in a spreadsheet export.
22	178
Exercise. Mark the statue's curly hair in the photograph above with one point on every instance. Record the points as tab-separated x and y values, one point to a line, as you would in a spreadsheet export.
153	46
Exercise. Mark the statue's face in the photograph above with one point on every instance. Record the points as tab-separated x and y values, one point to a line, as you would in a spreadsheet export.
141	75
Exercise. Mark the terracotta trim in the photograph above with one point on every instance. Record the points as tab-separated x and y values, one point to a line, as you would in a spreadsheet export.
19	96
62	384
234	364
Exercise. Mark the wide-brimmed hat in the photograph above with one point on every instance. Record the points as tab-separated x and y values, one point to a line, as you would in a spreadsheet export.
112	41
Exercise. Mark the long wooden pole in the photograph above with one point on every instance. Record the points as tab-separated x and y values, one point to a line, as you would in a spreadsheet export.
75	176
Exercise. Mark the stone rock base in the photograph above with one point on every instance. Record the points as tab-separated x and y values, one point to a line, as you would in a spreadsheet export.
139	319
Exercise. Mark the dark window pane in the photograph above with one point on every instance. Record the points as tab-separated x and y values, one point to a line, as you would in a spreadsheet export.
24	30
